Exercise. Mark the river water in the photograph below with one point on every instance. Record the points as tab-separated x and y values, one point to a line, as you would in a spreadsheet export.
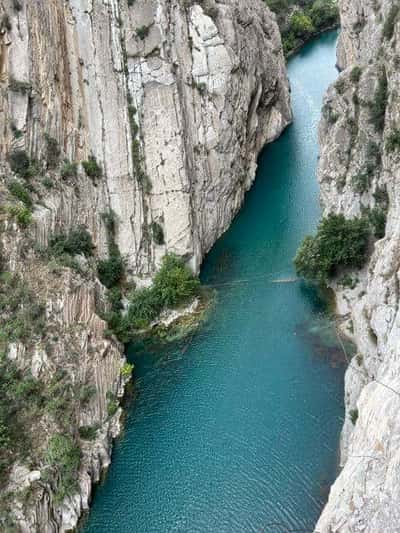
238	431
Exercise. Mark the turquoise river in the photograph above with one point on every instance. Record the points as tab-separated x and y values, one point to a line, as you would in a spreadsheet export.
237	430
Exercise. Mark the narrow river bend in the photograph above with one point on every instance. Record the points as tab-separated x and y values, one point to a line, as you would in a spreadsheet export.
239	432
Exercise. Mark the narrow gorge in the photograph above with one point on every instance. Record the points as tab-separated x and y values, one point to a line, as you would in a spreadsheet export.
129	130
131	133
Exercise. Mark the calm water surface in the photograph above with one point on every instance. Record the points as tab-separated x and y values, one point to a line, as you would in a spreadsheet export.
239	431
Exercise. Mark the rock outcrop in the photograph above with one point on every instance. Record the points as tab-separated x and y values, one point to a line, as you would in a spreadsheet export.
359	174
152	114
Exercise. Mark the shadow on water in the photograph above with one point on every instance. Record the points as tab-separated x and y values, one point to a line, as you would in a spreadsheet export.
238	428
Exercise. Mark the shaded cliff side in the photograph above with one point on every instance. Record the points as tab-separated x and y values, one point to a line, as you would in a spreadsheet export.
128	130
359	175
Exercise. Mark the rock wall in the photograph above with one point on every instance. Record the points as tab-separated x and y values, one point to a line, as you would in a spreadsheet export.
174	99
359	174
168	103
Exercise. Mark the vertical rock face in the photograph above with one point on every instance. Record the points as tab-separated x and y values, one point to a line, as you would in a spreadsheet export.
173	99
359	174
167	104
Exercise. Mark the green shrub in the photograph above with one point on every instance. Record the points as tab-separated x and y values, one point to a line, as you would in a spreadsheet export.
338	243
393	141
301	25
355	74
20	397
17	5
340	85
64	456
157	233
324	14
111	270
53	151
20	192
349	282
77	242
112	404
353	416
173	285
88	432
114	296
144	307
69	170
22	215
390	22
92	168
47	182
377	218
21	164
378	105
18	86
361	182
174	282
127	370
142	32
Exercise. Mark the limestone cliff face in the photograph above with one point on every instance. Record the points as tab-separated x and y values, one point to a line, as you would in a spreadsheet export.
174	100
359	173
170	103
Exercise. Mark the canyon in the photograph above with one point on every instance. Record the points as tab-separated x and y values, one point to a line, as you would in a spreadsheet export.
133	127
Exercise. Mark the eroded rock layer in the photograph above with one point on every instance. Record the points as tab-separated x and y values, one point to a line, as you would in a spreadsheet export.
359	174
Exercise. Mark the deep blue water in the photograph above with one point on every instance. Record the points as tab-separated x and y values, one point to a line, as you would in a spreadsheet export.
238	431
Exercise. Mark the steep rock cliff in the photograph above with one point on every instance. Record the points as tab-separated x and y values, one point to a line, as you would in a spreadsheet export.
148	113
359	175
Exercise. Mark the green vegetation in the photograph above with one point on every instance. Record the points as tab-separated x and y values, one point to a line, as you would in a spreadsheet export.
20	398
353	416
127	370
142	32
393	141
21	164
53	151
157	233
377	218
21	316
338	243
63	456
69	170
173	285
88	432
379	103
299	20
348	281
361	182
22	215
111	271
18	86
92	168
112	403
390	22
21	193
355	74
76	242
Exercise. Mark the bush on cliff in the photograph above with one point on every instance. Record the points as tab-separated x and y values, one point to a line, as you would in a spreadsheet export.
173	285
338	243
76	242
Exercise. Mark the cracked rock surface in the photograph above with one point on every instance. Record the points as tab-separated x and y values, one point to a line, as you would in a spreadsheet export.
360	169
